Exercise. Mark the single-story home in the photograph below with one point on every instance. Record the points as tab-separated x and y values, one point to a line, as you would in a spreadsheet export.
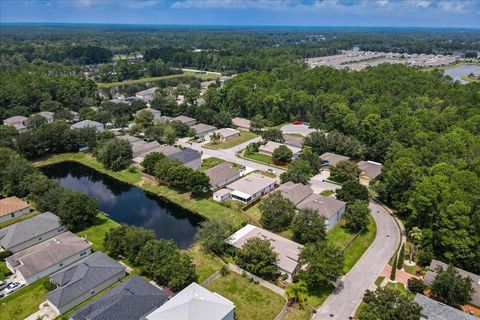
156	113
270	147
288	251
188	157
146	95
226	134
186	120
202	130
19	122
370	170
333	158
249	188
141	147
47	115
12	207
164	119
302	197
83	280
195	303
47	257
133	299
435	310
431	274
29	232
221	175
129	138
241	123
89	124
293	141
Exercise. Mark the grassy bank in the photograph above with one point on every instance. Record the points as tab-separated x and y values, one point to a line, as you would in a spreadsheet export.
244	137
207	76
205	207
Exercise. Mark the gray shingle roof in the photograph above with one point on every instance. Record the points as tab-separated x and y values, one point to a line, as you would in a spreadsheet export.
220	173
326	206
370	169
434	310
28	229
293	141
203	128
82	278
186	155
128	301
333	158
295	192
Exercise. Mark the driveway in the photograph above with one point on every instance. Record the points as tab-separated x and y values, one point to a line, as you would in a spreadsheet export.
319	182
343	302
301	129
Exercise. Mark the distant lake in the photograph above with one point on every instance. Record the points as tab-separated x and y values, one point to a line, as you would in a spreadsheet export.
128	204
460	71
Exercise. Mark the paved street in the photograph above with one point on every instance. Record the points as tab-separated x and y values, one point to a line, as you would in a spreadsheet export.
347	296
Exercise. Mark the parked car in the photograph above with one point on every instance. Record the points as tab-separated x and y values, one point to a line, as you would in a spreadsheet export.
297	123
270	171
12	287
3	284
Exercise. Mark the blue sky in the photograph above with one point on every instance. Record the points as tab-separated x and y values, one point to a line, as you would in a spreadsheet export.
423	13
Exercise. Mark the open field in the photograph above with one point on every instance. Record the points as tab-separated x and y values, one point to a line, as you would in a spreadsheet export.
207	76
252	301
244	137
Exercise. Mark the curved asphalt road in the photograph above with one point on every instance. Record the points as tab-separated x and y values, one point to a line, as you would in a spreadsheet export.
343	302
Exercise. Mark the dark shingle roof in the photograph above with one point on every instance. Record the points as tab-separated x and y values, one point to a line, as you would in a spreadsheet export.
434	310
28	229
130	300
186	155
82	278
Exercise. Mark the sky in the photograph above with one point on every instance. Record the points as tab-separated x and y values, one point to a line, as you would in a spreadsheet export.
395	13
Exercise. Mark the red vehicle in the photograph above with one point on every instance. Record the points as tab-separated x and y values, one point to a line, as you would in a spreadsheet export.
297	122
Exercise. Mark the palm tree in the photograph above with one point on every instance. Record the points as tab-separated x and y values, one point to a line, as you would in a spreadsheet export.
297	292
215	137
415	236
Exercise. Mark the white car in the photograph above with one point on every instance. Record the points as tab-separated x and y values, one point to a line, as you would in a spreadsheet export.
12	287
270	171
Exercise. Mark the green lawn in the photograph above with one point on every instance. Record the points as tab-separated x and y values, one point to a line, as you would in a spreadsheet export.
96	233
210	163
262	158
3	270
24	302
401	288
208	76
327	193
410	269
299	314
17	219
206	264
244	137
252	301
379	281
205	207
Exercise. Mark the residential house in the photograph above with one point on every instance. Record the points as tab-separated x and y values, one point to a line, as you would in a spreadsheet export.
164	119
200	102
129	138
431	274
19	122
435	310
188	157
47	257
83	280
332	158
370	171
302	197
12	207
249	188
241	123
222	175
221	195
89	124
293	141
227	134
270	147
288	251
186	120
140	148
30	232
156	113
146	95
47	115
195	303
202	130
132	300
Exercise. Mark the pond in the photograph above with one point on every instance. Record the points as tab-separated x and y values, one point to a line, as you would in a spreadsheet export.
128	204
462	70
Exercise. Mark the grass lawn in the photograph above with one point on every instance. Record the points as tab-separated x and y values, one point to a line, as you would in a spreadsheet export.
96	233
253	213
17	219
3	270
252	301
244	137
299	314
262	158
24	302
210	163
206	264
318	297
379	281
401	288
327	193
205	207
208	76
410	269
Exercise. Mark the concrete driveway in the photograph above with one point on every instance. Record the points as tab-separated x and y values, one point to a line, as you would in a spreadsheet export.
343	302
319	182
302	129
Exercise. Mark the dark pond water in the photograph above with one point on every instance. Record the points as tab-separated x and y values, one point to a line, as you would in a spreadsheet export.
127	204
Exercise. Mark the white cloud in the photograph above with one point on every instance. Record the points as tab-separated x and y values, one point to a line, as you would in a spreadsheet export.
454	6
231	4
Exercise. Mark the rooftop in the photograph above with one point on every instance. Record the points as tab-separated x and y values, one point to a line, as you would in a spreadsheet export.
287	250
46	114
202	128
28	229
227	132
333	158
147	92
194	303
82	277
129	138
293	141
186	155
326	206
370	169
87	124
221	173
184	119
15	119
46	254
241	122
270	146
251	183
140	146
11	204
132	299
295	192
435	310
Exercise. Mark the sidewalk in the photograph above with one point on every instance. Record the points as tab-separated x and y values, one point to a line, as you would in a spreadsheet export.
401	276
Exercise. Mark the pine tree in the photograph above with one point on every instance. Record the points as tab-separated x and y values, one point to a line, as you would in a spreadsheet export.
401	257
393	273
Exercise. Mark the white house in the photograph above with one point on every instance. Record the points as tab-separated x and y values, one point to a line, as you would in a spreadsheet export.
19	122
47	115
12	207
226	134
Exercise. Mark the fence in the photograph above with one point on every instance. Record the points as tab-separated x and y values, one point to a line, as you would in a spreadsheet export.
212	278
262	282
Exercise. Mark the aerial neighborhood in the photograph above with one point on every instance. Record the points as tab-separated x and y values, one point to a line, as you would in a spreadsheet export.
170	173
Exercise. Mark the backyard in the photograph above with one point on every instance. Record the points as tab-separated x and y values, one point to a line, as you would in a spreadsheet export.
96	233
244	137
